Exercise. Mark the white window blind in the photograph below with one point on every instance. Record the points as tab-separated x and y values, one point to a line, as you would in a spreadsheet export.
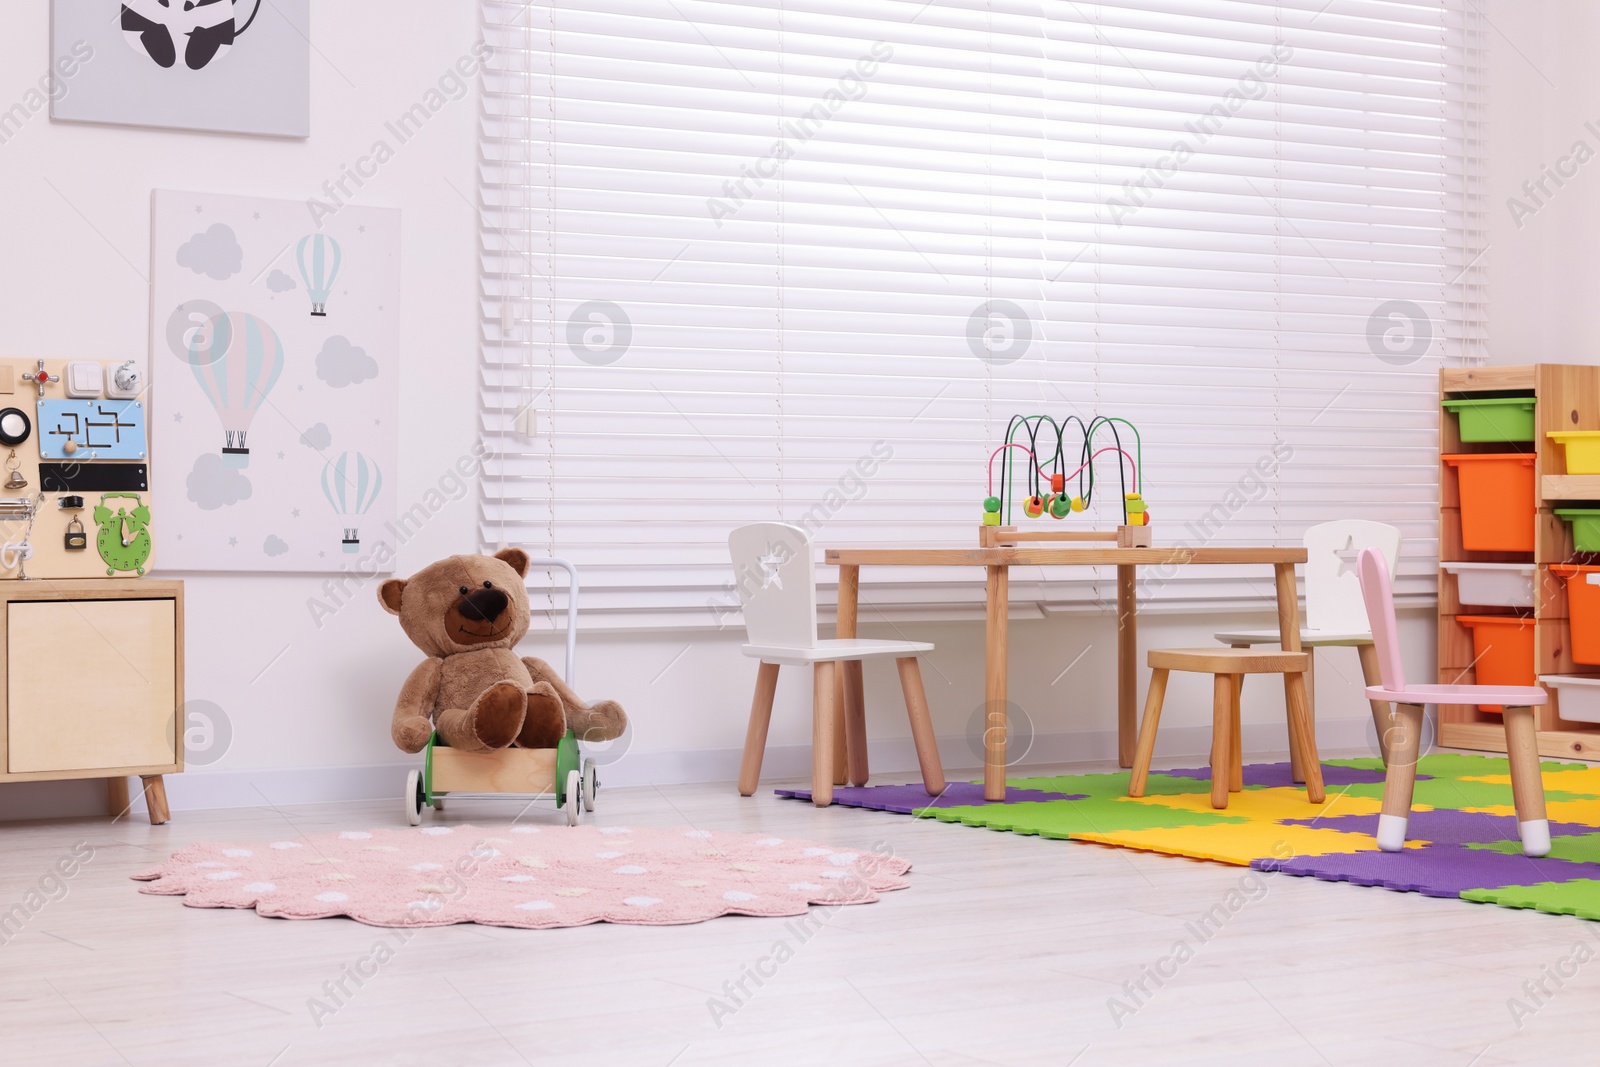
803	260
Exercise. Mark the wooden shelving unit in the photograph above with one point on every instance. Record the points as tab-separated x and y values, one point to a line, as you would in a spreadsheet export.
1566	398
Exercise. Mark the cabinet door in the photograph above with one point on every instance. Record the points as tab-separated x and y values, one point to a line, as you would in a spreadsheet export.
91	684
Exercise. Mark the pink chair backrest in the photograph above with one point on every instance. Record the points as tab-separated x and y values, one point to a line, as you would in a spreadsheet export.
1379	597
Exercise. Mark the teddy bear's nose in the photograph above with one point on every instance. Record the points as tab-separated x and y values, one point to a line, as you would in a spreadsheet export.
485	605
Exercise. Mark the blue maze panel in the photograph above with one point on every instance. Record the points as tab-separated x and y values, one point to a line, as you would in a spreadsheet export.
102	429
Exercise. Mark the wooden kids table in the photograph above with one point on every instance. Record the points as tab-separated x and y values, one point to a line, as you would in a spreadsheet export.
996	563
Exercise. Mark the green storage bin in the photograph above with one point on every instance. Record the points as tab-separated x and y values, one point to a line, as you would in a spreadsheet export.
1494	419
1585	527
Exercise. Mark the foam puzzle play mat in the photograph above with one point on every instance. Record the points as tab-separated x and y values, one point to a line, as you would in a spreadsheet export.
1463	831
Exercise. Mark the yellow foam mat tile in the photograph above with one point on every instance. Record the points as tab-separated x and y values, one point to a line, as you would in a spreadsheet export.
1275	804
1586	781
1584	811
1240	843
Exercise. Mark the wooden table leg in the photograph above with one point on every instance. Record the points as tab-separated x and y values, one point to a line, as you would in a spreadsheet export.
1295	695
1127	662
117	797
1221	738
155	798
1382	712
846	752
998	596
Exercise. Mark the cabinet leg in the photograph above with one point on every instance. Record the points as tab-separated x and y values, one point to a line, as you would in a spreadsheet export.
155	798
116	797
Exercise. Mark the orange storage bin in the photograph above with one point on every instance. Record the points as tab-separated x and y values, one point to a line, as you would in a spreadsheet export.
1497	501
1583	601
1502	651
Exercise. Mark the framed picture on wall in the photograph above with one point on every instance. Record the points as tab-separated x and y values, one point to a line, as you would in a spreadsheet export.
237	66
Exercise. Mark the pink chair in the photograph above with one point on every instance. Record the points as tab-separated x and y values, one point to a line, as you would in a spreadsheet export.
1522	743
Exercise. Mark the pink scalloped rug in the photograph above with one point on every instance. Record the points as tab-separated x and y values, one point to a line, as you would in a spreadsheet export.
528	876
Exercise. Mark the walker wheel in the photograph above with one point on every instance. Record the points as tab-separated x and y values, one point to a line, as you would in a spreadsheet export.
573	800
414	798
591	784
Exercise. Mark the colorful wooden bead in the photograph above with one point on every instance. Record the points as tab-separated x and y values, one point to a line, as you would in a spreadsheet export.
1078	504
1060	506
991	518
991	505
1033	507
1058	483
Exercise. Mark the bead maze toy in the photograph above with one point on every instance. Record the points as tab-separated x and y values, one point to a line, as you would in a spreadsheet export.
1046	477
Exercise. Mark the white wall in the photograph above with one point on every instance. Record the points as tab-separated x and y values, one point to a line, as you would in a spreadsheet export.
1544	87
309	707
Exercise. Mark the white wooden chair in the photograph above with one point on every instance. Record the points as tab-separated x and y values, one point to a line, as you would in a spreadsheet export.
1335	615
777	582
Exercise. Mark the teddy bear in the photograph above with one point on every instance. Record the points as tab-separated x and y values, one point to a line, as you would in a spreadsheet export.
468	613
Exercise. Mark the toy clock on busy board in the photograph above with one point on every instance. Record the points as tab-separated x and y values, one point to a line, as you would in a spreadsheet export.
74	469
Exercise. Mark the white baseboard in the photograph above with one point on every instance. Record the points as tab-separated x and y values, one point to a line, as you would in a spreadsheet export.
321	785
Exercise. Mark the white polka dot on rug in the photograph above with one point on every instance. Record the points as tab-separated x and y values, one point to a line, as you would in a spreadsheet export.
283	846
615	830
331	898
426	905
769	842
237	853
210	863
355	835
260	887
641	902
607	855
835	874
817	852
427	867
437	831
631	868
222	876
737	896
524	829
843	859
535	905
805	887
517	878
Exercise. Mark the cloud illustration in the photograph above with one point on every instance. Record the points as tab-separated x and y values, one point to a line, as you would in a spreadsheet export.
341	363
318	437
280	282
215	253
213	486
275	545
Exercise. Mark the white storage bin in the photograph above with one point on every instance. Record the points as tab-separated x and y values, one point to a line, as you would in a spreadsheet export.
1578	696
1493	585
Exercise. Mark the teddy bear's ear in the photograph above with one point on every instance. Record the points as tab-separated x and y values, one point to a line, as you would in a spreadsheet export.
517	559
389	594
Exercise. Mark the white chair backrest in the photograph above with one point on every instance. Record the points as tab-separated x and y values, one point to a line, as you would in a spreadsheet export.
777	584
1333	590
1378	597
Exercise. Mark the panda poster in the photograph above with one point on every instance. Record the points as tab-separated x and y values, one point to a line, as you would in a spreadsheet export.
236	66
274	391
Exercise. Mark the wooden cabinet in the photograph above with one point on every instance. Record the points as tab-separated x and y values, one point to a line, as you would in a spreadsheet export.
1566	398
93	684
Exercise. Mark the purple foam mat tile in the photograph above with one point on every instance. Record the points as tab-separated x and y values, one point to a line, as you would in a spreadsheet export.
1276	775
1435	871
905	799
1444	827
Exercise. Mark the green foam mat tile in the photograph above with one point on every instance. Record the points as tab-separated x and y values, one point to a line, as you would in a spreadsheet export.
1579	898
1579	848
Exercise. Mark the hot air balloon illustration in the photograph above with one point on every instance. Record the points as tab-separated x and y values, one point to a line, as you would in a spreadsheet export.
351	483
237	359
319	258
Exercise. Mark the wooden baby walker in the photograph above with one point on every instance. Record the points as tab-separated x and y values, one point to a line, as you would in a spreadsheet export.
560	772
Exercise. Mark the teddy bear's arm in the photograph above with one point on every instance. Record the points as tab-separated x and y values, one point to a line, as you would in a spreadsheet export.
413	723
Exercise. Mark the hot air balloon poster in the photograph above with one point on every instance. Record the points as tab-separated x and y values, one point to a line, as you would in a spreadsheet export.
237	66
273	363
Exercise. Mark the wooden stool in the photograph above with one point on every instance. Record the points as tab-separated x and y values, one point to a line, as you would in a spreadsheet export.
1229	666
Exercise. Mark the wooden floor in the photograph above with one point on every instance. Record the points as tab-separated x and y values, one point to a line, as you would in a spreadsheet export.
1006	950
